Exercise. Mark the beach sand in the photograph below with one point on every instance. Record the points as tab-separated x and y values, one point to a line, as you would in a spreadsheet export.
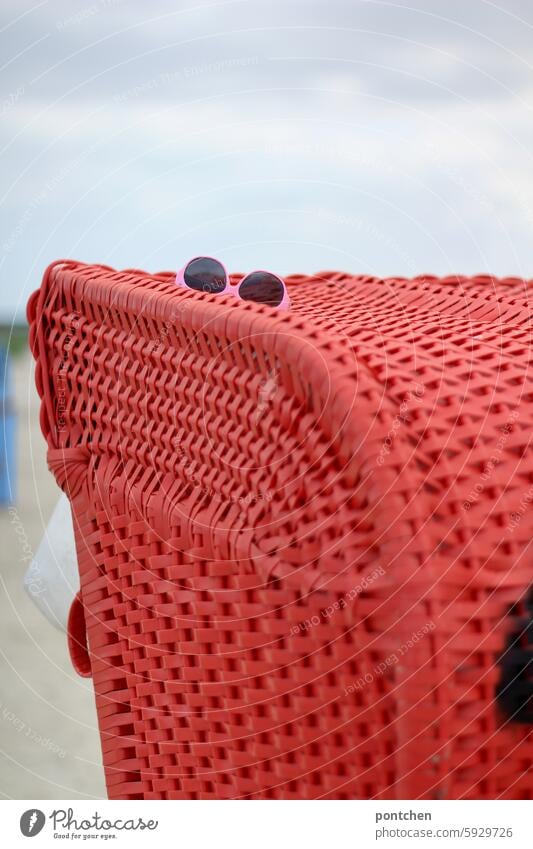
49	741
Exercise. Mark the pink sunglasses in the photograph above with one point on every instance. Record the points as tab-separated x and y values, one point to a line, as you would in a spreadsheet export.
206	274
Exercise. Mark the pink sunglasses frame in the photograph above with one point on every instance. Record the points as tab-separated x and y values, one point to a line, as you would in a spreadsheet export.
234	290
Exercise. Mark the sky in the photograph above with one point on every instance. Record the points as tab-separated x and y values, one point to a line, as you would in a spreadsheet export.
298	135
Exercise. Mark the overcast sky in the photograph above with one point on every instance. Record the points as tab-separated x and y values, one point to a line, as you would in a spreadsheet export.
297	135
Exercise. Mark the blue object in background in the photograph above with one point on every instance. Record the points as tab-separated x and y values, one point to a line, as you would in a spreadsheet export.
7	432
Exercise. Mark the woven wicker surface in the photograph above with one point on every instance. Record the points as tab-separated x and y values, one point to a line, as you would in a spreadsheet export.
303	539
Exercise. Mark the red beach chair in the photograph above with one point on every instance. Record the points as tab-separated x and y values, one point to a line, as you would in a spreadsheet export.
303	538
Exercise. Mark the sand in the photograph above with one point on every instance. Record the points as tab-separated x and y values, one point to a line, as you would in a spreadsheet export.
49	741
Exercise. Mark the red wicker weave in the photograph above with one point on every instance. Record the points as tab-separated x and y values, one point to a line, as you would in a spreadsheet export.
303	539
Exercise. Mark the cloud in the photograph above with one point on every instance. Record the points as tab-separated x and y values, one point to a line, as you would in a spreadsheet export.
138	136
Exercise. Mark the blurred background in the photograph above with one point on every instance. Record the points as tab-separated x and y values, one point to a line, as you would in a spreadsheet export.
297	135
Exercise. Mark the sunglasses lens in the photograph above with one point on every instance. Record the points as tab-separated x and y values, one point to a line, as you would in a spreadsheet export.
205	275
263	288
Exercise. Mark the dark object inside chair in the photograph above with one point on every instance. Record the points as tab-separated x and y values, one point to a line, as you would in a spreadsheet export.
514	692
